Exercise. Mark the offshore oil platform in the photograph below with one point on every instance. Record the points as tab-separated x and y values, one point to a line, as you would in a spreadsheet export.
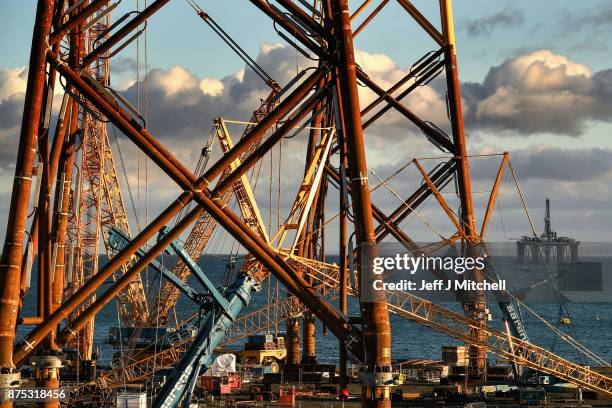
69	207
548	247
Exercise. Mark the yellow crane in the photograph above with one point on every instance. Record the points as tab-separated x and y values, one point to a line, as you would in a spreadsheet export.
204	227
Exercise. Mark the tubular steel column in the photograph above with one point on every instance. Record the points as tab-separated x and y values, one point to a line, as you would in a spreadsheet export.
308	339
475	305
293	341
10	263
343	251
375	315
62	204
307	246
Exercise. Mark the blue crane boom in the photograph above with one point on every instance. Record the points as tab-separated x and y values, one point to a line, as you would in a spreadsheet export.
199	356
222	310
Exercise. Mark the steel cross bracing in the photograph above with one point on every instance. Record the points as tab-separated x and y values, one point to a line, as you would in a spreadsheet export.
98	206
168	163
328	37
205	225
404	304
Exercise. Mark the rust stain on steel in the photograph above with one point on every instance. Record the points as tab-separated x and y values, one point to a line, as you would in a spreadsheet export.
10	263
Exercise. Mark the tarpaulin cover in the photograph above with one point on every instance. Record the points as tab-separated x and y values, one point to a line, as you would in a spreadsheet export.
224	364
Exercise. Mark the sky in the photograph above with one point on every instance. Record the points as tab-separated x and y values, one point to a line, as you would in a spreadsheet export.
536	81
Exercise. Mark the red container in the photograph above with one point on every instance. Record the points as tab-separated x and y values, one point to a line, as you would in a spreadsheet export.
286	397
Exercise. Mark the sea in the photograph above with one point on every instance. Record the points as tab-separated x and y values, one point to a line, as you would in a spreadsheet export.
592	320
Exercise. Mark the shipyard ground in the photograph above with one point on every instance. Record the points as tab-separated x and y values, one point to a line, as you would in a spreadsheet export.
412	395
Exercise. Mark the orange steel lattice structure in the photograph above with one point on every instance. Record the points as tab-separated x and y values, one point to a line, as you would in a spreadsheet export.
97	206
328	96
205	225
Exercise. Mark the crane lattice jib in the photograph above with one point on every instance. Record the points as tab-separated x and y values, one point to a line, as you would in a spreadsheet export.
100	208
326	280
205	225
465	329
133	299
84	228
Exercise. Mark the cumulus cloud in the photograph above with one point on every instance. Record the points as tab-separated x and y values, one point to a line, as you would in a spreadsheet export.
532	93
13	83
539	92
211	86
122	64
546	162
508	17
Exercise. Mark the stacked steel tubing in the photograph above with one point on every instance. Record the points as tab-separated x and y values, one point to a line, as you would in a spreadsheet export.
309	353
293	341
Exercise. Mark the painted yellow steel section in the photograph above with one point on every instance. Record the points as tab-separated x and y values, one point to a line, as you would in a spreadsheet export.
448	29
305	195
242	188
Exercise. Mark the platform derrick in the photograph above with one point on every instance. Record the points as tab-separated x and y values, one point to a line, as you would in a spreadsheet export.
324	102
547	248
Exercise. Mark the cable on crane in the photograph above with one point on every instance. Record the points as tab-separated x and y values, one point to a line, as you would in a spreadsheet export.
126	179
575	343
233	45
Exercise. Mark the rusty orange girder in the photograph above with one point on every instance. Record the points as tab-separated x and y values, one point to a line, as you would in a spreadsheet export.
329	37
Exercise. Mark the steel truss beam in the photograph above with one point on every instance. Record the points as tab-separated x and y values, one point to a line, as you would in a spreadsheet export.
330	40
205	198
